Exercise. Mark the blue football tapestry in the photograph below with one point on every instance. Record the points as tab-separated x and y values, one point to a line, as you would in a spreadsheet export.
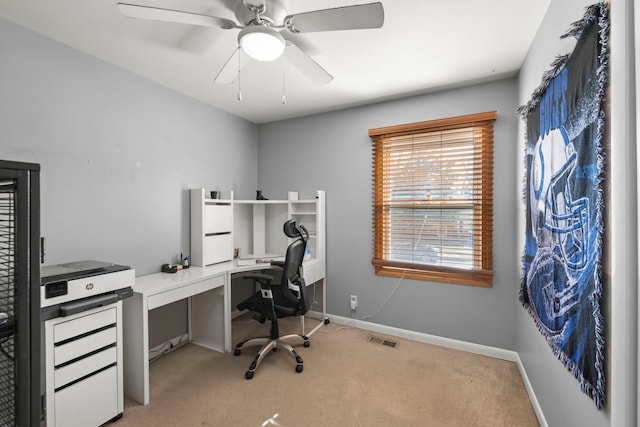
564	160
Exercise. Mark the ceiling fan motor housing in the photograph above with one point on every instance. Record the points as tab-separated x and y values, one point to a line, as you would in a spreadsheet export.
274	14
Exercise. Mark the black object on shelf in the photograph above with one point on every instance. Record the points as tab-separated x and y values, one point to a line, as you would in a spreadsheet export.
260	196
169	268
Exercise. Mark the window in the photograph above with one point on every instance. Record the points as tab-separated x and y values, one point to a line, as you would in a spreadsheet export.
433	201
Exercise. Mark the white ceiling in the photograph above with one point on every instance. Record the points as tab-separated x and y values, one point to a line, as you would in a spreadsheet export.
424	46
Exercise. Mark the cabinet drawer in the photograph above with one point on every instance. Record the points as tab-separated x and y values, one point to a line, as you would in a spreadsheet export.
218	248
85	345
79	369
217	218
82	325
183	292
90	402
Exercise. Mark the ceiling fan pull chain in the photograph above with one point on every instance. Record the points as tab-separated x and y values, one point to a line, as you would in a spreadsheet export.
239	74
284	95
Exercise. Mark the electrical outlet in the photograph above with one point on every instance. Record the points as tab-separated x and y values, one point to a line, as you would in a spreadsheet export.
354	302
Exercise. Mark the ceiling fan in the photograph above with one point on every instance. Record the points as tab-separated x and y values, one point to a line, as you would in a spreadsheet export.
264	27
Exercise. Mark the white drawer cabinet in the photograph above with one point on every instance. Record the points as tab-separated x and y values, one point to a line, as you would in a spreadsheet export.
211	228
83	367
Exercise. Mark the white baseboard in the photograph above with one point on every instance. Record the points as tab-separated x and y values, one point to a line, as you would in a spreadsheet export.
429	339
314	314
484	350
532	395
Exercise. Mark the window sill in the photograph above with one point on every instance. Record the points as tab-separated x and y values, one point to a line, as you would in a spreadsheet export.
482	278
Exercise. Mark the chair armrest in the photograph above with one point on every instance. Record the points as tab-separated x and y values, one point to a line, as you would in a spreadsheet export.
265	280
278	264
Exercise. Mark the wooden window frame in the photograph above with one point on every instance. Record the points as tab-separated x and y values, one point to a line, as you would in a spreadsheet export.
481	274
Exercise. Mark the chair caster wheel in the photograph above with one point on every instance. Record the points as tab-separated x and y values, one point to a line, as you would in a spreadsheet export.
299	368
236	352
248	375
307	344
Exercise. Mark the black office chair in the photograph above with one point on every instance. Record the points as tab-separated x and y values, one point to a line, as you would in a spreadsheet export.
275	301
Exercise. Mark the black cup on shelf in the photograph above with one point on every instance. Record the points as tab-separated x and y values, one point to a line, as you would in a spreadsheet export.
215	194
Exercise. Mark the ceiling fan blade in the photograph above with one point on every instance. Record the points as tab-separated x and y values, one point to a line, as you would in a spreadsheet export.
306	65
229	71
168	15
355	17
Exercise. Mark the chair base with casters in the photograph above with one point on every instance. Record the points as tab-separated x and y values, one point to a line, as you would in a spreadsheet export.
269	344
275	301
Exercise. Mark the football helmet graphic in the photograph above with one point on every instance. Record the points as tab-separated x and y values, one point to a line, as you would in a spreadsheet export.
561	220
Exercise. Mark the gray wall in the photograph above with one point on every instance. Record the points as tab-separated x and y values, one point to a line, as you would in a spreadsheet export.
332	152
118	152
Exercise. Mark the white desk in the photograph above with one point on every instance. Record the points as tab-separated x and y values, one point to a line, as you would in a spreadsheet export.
209	292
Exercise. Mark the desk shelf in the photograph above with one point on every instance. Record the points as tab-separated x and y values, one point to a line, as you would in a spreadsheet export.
258	224
311	213
256	229
260	202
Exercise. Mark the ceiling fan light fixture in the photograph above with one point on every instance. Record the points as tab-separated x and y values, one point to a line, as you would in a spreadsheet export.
261	43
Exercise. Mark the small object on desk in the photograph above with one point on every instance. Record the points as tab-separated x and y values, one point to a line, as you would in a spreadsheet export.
253	259
185	262
169	268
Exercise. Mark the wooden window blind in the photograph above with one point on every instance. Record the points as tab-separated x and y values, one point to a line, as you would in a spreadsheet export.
433	199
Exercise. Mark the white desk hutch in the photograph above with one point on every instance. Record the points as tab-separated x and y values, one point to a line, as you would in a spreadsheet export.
218	226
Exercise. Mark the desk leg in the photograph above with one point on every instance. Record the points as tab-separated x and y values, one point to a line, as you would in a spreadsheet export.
208	322
136	348
227	312
314	314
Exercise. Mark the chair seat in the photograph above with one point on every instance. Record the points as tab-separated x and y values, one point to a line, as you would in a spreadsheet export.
256	303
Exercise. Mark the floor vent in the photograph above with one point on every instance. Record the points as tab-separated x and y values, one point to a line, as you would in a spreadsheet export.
378	340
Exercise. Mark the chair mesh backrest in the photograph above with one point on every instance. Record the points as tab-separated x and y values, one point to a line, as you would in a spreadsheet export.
293	262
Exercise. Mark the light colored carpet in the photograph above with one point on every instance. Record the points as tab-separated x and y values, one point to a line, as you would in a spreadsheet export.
347	381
